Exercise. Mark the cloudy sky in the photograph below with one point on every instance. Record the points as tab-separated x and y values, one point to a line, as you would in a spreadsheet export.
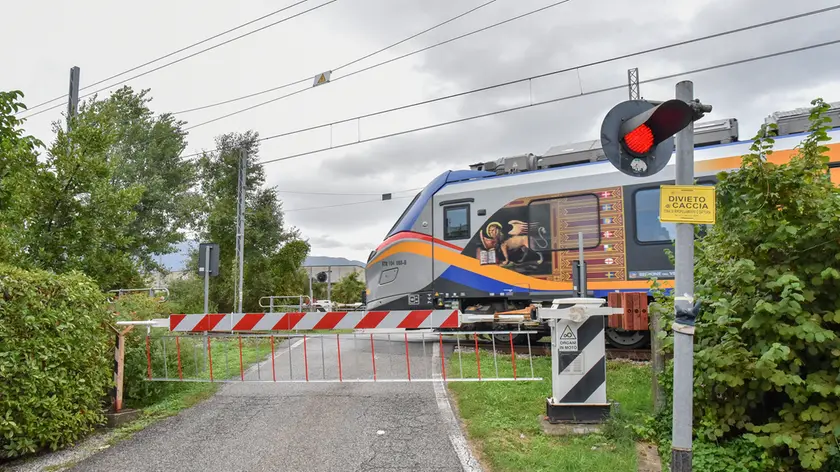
47	37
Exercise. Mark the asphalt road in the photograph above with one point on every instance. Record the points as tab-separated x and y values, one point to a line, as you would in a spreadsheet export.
383	426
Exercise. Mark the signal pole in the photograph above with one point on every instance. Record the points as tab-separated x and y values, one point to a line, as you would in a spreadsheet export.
73	96
329	283
683	298
633	83
240	228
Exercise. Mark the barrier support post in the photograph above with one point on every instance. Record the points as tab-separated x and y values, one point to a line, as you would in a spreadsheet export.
578	360
119	368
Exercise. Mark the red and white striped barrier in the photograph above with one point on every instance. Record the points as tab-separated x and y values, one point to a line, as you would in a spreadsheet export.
407	319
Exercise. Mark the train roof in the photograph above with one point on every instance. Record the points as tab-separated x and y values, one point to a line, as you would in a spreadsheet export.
707	133
724	152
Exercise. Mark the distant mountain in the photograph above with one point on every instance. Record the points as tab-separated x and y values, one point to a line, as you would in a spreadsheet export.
320	261
177	260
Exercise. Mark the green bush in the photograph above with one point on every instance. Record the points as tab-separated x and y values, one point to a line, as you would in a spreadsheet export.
767	347
55	359
739	455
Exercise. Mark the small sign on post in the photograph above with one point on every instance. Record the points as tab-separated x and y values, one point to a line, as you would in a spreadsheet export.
693	204
208	265
213	265
322	78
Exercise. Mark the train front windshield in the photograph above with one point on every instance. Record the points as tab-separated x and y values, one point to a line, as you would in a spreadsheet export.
402	217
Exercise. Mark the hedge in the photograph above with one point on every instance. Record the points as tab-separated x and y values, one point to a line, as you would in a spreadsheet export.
55	359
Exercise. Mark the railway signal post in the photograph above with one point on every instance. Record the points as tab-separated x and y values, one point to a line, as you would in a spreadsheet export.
684	295
637	137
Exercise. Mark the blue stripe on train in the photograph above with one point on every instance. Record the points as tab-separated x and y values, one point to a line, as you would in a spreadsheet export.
478	282
486	284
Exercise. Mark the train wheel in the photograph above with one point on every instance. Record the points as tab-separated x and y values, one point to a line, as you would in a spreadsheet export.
624	339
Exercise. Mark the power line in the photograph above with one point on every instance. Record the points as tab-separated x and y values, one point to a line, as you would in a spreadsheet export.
190	55
347	194
174	52
555	100
546	74
379	64
344	204
354	61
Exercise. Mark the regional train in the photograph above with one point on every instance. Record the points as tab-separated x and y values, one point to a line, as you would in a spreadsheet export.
503	235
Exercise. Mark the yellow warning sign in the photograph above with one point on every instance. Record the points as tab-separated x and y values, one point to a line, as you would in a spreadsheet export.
322	78
687	204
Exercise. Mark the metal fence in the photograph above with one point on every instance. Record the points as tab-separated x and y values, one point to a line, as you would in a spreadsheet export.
375	356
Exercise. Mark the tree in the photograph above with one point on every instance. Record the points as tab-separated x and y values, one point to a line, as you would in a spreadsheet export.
108	195
80	220
349	289
273	254
18	168
144	150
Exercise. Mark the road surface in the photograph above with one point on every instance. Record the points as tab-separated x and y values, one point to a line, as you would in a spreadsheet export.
311	427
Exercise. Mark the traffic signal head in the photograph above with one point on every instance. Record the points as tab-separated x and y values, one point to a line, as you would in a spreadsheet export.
321	277
637	136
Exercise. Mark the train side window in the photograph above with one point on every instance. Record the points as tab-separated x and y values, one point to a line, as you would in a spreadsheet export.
582	214
834	173
648	227
456	222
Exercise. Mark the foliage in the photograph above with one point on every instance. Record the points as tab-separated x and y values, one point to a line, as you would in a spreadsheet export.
81	221
349	289
55	359
738	455
144	150
18	163
273	254
109	194
767	347
187	296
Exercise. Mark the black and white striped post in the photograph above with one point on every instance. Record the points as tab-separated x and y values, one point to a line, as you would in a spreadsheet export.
578	360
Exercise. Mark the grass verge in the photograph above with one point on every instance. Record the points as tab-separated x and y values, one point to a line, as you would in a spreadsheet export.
502	418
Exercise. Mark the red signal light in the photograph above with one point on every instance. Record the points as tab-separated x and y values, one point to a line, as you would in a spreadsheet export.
640	140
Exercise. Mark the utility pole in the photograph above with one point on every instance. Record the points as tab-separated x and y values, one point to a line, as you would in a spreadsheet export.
73	96
329	283
633	83
683	297
240	229
310	287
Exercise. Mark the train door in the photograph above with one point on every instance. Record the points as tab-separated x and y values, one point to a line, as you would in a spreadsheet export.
453	230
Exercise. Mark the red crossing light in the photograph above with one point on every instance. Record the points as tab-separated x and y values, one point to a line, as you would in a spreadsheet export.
640	140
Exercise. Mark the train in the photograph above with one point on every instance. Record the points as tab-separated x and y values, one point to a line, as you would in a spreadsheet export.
503	235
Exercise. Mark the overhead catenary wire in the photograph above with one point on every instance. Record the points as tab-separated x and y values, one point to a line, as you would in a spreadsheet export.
346	194
379	64
543	75
354	61
555	100
165	56
344	204
181	59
